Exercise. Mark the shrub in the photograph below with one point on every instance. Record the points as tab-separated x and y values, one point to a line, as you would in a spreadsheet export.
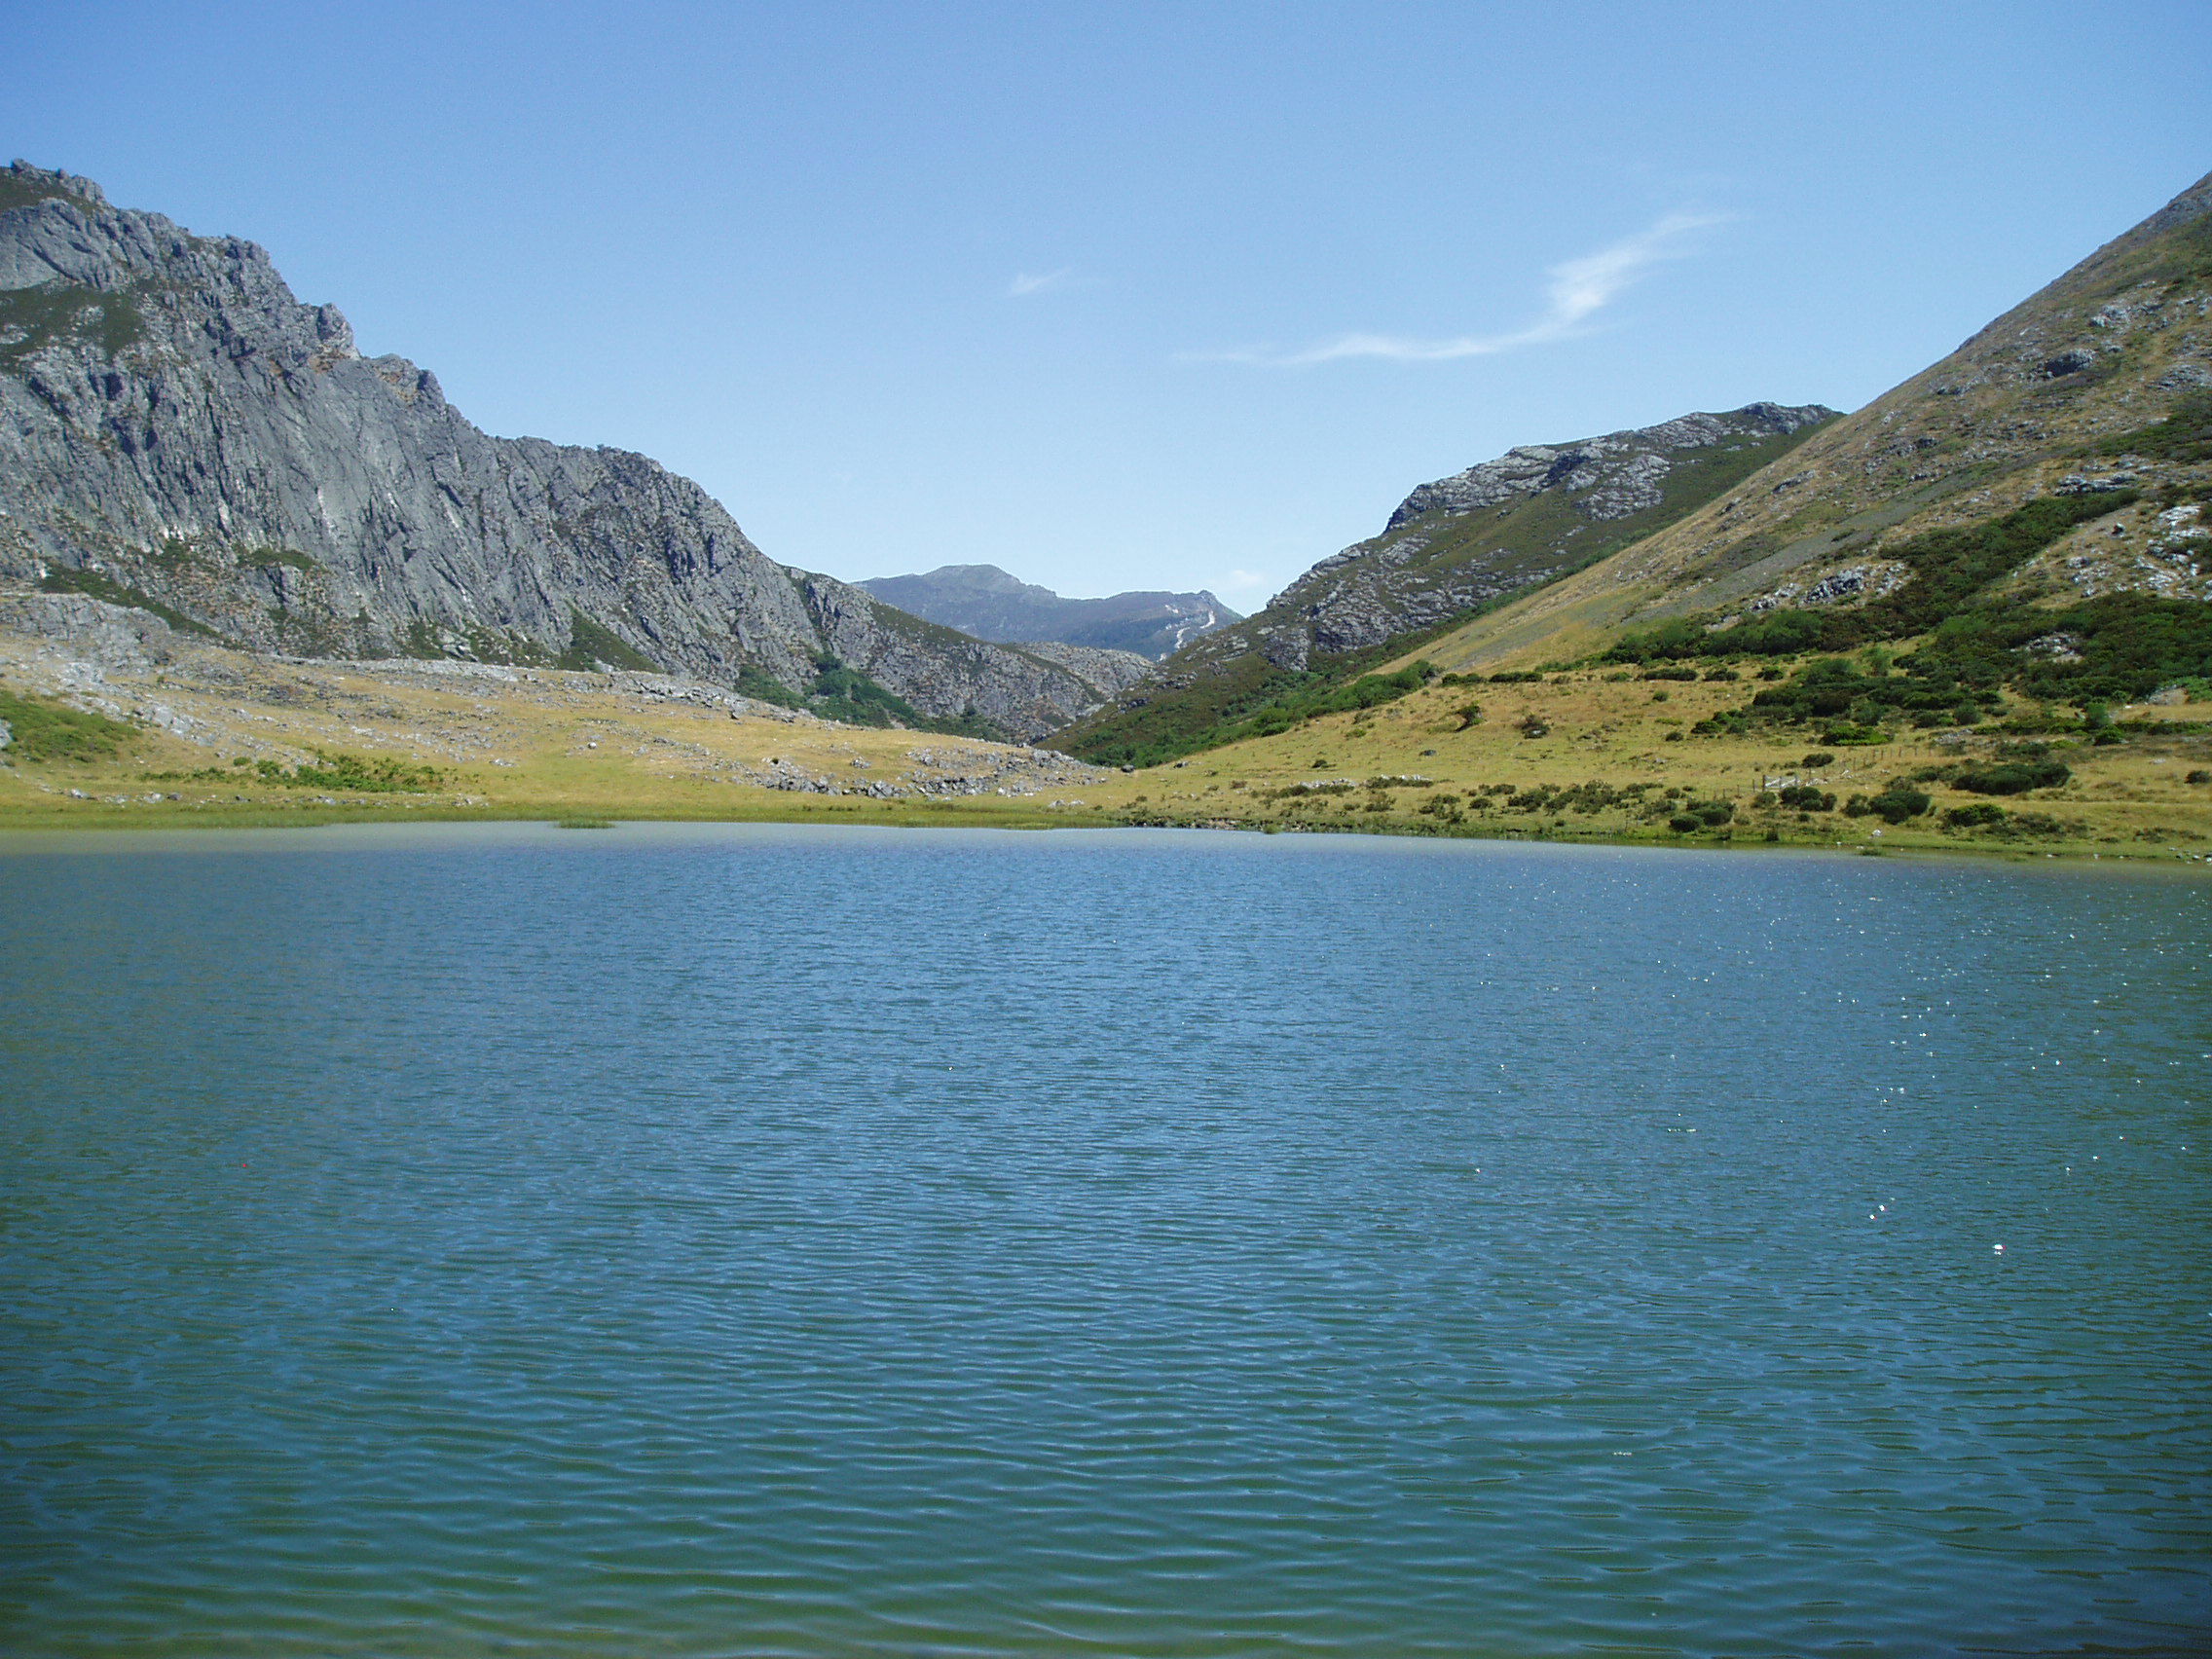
1850	734
2012	777
2184	435
1896	803
1682	824
1980	815
1806	797
1818	758
1470	715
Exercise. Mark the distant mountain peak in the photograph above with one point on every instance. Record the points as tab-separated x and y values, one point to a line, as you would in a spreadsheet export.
992	603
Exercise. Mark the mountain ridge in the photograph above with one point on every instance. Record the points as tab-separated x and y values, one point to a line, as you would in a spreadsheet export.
2010	413
1450	546
992	603
177	430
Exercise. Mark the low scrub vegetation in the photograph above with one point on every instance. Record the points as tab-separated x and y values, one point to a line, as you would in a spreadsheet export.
356	774
1975	644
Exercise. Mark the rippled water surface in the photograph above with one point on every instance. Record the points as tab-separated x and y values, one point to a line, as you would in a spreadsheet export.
761	1241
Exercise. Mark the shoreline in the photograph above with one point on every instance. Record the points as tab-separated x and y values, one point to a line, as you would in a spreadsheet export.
146	820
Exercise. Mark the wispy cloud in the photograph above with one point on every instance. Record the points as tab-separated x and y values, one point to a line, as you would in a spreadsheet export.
1578	290
1027	282
1243	589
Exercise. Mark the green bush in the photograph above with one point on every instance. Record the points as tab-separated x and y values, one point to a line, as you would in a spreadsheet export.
1894	805
1805	798
2012	777
1980	815
1846	734
592	643
1947	568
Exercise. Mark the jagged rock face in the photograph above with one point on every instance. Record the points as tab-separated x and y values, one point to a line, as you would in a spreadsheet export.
175	424
986	601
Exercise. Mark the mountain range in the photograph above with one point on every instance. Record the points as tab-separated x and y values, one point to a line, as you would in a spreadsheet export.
180	435
986	601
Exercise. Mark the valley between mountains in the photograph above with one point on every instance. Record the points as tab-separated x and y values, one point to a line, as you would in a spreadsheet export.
249	577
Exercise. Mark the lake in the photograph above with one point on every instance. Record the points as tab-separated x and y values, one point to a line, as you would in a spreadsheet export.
711	1240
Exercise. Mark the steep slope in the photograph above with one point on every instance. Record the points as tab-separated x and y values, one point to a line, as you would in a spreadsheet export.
1523	520
177	432
986	601
2042	401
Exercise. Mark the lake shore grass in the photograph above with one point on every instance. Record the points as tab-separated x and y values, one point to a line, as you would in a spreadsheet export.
219	739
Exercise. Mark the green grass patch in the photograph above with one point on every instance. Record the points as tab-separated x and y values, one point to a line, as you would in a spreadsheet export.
62	579
2185	436
46	730
592	643
32	319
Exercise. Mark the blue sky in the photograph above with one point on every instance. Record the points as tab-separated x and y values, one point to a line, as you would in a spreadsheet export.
1127	296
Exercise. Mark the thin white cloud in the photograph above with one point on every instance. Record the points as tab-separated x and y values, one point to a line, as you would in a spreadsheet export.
1243	590
1578	290
1027	282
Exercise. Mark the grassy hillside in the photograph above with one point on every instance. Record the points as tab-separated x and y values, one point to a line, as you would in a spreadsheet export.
1678	756
2055	395
1227	687
1771	752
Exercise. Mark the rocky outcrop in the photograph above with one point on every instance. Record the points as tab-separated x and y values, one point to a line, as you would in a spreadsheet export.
177	430
1426	567
984	601
1499	528
1606	478
1108	672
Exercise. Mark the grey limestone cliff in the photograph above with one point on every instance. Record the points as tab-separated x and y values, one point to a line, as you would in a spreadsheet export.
178	432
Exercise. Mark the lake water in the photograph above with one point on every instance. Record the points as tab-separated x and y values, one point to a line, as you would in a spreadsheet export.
757	1241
